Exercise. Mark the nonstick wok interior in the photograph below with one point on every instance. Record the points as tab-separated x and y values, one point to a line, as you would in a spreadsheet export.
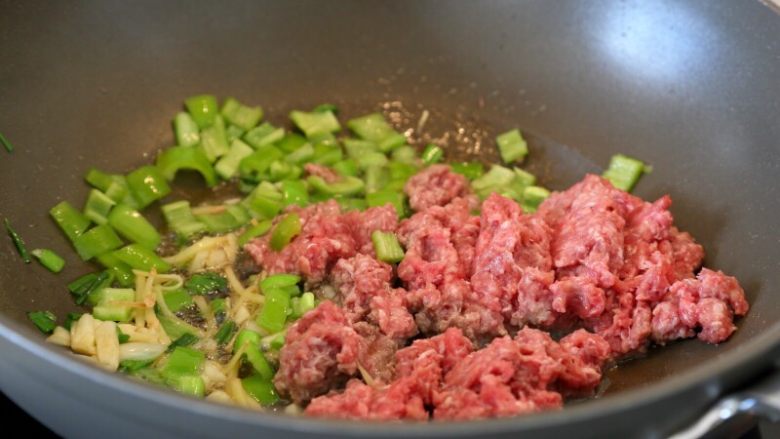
690	87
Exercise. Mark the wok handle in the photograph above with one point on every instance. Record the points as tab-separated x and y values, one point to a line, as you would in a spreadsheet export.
762	400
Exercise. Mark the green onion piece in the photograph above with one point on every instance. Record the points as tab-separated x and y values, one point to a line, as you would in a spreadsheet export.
278	281
233	133
470	170
113	304
405	154
147	184
83	287
52	261
348	204
533	197
227	166
290	142
186	130
70	319
184	361
241	115
141	258
497	176
623	171
347	168
45	321
345	186
18	242
218	306
6	144
275	310
263	207
233	217
250	341
172	160
214	140
203	109
512	146
72	222
287	229
358	148
261	389
315	123
301	155
133	226
204	283
263	134
327	155
100	179
180	219
401	171
192	385
280	170
432	154
524	178
302	305
132	366
121	336
371	158
177	300
122	272
256	165
259	229
383	197
258	361
96	241
184	340
273	342
225	332
98	206
387	247
376	178
322	108
246	336
294	192
374	128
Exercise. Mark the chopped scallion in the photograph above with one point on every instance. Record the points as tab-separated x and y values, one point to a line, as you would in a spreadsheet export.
18	242
387	247
45	321
52	261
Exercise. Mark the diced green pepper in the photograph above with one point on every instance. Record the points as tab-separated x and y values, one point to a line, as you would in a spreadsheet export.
133	226
623	171
512	146
387	247
241	115
287	229
172	160
186	130
274	313
96	241
203	109
141	258
147	184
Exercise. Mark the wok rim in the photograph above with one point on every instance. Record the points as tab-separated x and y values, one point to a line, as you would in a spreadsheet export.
756	351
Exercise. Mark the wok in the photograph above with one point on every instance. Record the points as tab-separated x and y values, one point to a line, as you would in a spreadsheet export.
692	87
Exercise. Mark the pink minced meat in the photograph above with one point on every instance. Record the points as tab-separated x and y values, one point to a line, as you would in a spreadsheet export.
364	288
437	185
512	266
320	352
326	236
324	172
419	372
527	374
707	302
606	267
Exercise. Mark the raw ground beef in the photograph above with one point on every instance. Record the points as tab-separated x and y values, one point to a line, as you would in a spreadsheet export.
437	185
320	352
326	236
606	267
326	173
